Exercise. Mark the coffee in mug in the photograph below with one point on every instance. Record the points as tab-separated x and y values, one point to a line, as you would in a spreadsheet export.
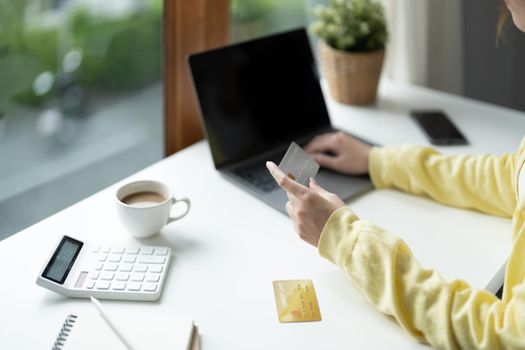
144	207
143	199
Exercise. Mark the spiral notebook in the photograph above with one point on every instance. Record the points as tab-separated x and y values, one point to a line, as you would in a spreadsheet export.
90	331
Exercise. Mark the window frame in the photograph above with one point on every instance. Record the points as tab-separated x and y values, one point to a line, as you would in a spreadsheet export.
189	26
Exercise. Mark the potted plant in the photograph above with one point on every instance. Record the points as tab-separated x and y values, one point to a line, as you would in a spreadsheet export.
353	36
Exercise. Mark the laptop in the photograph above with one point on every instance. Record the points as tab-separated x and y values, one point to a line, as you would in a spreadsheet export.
257	97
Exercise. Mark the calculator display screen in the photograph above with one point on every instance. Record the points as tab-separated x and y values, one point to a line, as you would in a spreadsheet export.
62	260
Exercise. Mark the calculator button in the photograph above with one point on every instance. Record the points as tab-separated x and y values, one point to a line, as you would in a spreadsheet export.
110	267
141	268
150	287
102	257
156	268
153	277
137	277
95	249
117	250
146	250
99	266
107	276
161	251
125	267
129	259
115	258
90	284
118	285
102	285
133	251
106	250
121	276
151	260
134	286
94	275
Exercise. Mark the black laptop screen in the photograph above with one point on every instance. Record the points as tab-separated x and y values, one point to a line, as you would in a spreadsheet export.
258	95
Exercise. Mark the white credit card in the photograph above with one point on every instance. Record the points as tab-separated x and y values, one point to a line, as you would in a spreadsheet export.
298	165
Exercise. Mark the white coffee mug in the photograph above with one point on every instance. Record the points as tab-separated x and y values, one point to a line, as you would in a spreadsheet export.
144	207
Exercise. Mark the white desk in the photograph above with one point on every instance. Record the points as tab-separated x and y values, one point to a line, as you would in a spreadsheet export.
231	246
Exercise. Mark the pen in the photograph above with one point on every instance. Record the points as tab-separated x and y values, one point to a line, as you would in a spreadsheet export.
111	324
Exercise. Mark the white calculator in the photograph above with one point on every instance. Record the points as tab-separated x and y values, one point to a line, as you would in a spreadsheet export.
77	269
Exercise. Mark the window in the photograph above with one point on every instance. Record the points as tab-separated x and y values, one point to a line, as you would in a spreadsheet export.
253	18
80	101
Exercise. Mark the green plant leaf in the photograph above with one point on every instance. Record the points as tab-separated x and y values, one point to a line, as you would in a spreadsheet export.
351	25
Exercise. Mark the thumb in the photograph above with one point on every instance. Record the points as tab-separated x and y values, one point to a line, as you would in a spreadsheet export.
314	186
318	189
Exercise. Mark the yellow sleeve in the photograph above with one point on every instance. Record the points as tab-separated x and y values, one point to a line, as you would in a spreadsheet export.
484	182
446	314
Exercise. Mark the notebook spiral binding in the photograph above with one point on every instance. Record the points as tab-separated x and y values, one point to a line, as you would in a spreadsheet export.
64	332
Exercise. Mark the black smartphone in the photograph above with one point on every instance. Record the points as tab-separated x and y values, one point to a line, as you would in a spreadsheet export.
438	127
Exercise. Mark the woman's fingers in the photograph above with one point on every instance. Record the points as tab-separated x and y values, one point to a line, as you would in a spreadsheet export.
310	210
315	186
289	209
289	185
321	143
326	161
333	198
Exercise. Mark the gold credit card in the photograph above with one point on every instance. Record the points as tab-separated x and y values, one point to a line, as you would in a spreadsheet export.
296	301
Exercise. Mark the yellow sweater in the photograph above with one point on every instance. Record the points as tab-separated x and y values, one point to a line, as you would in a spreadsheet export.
446	314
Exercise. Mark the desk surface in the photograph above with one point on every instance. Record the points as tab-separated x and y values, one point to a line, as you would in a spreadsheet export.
231	246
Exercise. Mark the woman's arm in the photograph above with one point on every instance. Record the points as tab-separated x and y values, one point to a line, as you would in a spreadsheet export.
485	182
446	314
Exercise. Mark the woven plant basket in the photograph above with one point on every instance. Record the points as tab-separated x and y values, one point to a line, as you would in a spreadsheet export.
352	77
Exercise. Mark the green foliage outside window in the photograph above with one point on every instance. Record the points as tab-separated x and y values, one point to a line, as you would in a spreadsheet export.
249	10
119	53
255	18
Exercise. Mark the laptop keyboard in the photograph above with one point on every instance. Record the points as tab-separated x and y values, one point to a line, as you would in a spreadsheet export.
258	175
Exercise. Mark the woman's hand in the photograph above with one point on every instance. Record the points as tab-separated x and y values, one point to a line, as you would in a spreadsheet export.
345	153
308	207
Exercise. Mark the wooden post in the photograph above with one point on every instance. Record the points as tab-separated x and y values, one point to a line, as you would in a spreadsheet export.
189	26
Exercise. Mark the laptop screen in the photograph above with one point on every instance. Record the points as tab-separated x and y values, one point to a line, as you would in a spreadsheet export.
258	95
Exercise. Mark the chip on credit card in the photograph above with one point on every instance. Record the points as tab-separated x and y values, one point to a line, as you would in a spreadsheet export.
296	301
298	165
